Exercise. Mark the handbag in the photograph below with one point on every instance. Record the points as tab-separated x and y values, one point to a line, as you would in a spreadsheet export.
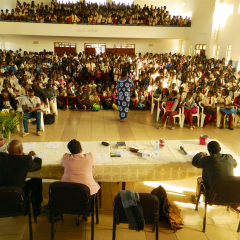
114	106
169	105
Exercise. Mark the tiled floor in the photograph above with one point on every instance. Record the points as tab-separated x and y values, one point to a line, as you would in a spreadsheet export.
141	125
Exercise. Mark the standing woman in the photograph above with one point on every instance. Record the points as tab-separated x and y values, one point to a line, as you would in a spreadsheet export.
123	86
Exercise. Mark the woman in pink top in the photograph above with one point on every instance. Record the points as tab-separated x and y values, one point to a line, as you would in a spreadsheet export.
78	167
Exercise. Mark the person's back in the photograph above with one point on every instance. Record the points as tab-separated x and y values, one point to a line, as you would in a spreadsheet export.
13	169
78	167
216	165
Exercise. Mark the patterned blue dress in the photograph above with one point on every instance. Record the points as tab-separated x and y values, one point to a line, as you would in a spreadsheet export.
123	87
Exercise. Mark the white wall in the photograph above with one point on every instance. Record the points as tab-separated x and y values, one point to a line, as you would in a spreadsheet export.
72	30
229	32
141	45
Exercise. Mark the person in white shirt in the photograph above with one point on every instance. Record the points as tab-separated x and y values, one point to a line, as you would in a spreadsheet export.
30	106
224	101
209	108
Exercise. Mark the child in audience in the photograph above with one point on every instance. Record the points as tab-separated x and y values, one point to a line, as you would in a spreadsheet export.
171	109
190	108
208	103
225	101
68	97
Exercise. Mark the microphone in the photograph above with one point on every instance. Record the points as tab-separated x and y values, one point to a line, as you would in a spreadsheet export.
183	150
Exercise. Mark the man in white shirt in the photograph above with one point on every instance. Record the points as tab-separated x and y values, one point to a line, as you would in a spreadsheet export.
30	106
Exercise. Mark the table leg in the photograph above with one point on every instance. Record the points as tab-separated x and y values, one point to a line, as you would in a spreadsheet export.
123	185
100	195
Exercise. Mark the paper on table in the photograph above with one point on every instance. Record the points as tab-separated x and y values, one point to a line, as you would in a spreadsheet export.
192	153
126	153
31	145
53	144
42	154
103	158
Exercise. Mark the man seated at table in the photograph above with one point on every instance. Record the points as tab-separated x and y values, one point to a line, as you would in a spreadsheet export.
14	166
215	166
31	105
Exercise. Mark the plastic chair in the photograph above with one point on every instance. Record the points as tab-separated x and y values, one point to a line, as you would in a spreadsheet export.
194	115
179	115
72	198
224	191
219	116
153	102
203	115
150	205
13	202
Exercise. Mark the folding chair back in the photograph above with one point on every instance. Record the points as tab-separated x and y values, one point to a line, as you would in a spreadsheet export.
12	201
225	191
150	205
70	198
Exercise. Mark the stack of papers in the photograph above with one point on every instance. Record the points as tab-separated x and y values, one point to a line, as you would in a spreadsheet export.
103	158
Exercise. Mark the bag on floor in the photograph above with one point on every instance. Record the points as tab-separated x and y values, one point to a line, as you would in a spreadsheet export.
141	105
115	107
107	104
173	214
162	195
49	119
96	107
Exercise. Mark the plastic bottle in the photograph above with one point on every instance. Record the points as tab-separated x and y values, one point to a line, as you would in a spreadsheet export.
156	148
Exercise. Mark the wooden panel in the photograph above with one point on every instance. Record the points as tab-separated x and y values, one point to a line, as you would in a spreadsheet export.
90	50
110	50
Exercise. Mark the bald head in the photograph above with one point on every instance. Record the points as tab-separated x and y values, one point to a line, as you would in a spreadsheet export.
15	147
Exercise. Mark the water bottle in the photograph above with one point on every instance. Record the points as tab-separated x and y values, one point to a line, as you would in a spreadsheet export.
156	148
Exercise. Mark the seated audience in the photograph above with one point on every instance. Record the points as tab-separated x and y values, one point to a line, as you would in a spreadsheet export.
31	105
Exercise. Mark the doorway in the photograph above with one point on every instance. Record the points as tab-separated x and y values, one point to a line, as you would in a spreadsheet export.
97	48
60	47
200	49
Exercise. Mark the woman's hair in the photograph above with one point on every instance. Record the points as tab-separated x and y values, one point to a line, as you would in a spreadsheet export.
5	91
226	92
124	73
74	146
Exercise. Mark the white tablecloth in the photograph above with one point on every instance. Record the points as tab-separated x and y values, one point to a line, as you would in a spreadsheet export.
171	164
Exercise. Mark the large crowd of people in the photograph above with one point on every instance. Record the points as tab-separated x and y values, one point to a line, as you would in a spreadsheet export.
92	13
88	82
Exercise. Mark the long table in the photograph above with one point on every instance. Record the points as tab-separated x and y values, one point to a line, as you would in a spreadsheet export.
169	164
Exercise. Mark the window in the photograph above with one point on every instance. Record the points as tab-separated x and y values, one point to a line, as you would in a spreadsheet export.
217	52
99	2
189	15
214	51
199	49
0	45
238	67
66	1
124	45
229	10
228	53
99	47
125	2
190	50
239	8
183	49
69	45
